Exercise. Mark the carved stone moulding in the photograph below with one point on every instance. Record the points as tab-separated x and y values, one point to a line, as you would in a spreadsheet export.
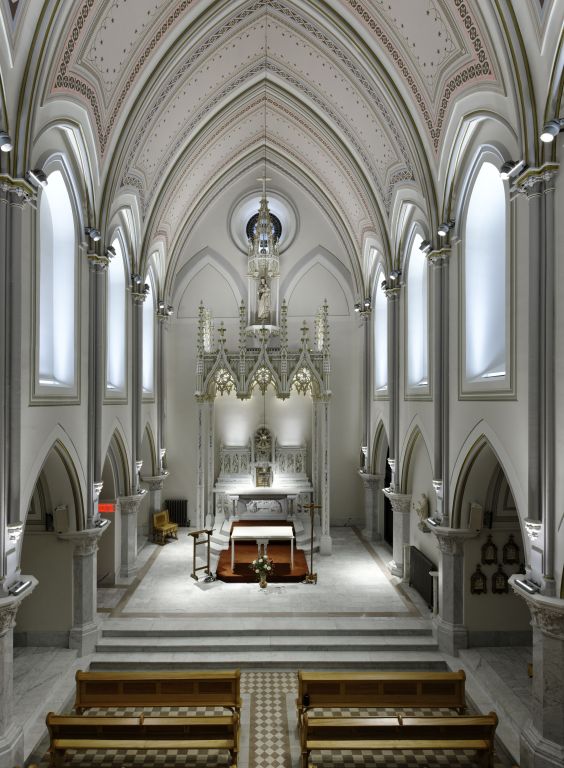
547	613
533	528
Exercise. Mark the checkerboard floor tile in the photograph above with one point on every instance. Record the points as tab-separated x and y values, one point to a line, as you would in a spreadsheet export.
270	738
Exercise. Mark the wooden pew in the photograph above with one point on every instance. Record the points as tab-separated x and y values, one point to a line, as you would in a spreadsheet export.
80	732
162	527
317	690
475	732
158	689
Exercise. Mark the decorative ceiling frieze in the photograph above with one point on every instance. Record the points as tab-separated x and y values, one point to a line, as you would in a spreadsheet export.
462	55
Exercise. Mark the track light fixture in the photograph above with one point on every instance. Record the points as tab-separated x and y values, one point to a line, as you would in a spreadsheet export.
161	306
18	587
395	273
445	227
110	251
367	303
425	246
528	586
170	310
511	168
37	177
5	142
357	306
136	279
93	234
552	129
146	288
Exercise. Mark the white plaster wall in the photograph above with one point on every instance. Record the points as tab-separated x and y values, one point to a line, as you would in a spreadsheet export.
559	373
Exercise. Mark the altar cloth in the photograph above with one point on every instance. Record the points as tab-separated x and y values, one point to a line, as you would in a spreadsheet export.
263	534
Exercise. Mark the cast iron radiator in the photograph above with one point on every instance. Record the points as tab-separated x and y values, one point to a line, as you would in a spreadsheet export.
178	511
419	567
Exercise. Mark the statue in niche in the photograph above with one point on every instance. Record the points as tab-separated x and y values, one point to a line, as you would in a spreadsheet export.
264	300
235	464
299	465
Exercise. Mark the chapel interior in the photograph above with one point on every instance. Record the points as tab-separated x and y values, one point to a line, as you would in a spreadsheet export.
282	373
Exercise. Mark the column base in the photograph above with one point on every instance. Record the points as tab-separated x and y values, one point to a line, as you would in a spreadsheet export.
12	747
396	569
127	570
208	524
366	534
451	637
538	752
325	545
84	639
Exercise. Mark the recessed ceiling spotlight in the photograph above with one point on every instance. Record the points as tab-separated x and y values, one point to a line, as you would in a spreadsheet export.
93	234
37	177
5	142
551	130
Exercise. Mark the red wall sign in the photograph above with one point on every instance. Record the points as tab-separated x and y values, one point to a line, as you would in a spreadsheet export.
106	507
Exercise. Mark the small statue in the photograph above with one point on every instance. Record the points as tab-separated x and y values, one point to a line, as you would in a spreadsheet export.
421	507
264	302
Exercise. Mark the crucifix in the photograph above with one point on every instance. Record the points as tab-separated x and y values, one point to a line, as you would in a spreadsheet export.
311	577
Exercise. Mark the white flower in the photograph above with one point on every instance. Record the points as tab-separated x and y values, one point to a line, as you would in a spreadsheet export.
257	570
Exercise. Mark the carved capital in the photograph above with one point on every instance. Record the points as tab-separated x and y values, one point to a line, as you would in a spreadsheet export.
85	543
371	481
547	613
439	257
155	482
529	183
451	540
8	617
401	502
130	504
20	191
98	263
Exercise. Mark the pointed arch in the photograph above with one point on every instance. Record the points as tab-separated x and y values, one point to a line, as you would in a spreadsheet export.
208	257
380	449
148	449
330	262
118	459
416	431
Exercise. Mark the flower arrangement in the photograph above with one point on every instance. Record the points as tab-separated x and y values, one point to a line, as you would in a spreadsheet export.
262	566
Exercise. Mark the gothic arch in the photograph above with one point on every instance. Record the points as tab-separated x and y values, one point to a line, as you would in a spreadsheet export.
380	449
208	257
416	431
478	438
326	259
148	451
118	459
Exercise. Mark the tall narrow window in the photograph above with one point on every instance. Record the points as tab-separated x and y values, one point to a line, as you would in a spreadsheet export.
57	251
417	318
115	333
148	341
485	277
380	338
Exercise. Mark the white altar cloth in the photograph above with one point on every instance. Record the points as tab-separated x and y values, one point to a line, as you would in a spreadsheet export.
263	534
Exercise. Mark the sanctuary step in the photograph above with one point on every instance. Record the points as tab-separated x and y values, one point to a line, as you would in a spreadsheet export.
282	644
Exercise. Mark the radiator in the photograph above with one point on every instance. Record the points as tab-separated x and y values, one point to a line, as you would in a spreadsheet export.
419	578
178	511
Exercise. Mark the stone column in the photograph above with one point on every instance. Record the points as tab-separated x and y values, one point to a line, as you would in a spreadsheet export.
542	740
11	733
373	507
129	507
325	542
16	210
200	490
452	633
162	326
97	266
393	296
155	487
315	450
138	298
401	506
365	315
537	184
210	470
439	261
85	630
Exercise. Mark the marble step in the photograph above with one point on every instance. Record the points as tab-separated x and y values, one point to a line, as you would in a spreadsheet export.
273	642
293	659
394	634
233	624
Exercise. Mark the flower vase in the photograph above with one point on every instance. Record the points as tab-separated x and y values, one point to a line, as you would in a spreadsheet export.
263	582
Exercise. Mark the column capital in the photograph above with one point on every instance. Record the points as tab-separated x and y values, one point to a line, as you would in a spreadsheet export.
371	481
547	613
451	540
138	296
393	293
528	182
97	263
401	502
533	529
439	256
23	192
155	482
130	504
9	605
85	542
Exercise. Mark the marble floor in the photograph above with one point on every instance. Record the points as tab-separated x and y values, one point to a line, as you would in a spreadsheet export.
354	587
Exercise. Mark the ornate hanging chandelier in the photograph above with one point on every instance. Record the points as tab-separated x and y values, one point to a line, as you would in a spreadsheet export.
263	254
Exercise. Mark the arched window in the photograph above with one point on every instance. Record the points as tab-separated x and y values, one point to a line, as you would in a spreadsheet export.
485	275
57	254
149	341
116	321
417	318
380	338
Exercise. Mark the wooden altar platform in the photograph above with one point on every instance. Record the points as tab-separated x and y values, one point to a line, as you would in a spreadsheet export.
246	552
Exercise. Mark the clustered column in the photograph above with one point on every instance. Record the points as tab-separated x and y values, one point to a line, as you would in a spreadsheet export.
401	506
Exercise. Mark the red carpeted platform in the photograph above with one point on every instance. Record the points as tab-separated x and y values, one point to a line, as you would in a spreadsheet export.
246	552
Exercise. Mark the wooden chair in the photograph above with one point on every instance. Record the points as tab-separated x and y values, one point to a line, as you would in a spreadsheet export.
163	528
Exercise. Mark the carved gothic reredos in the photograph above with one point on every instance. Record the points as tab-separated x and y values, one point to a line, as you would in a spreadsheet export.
219	371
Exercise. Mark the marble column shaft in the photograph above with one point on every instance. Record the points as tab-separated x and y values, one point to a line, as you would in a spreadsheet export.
542	740
200	490
451	630
393	296
373	506
210	469
325	542
137	382
85	631
401	507
129	507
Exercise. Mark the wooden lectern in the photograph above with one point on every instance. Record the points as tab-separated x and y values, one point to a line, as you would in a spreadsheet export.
311	577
